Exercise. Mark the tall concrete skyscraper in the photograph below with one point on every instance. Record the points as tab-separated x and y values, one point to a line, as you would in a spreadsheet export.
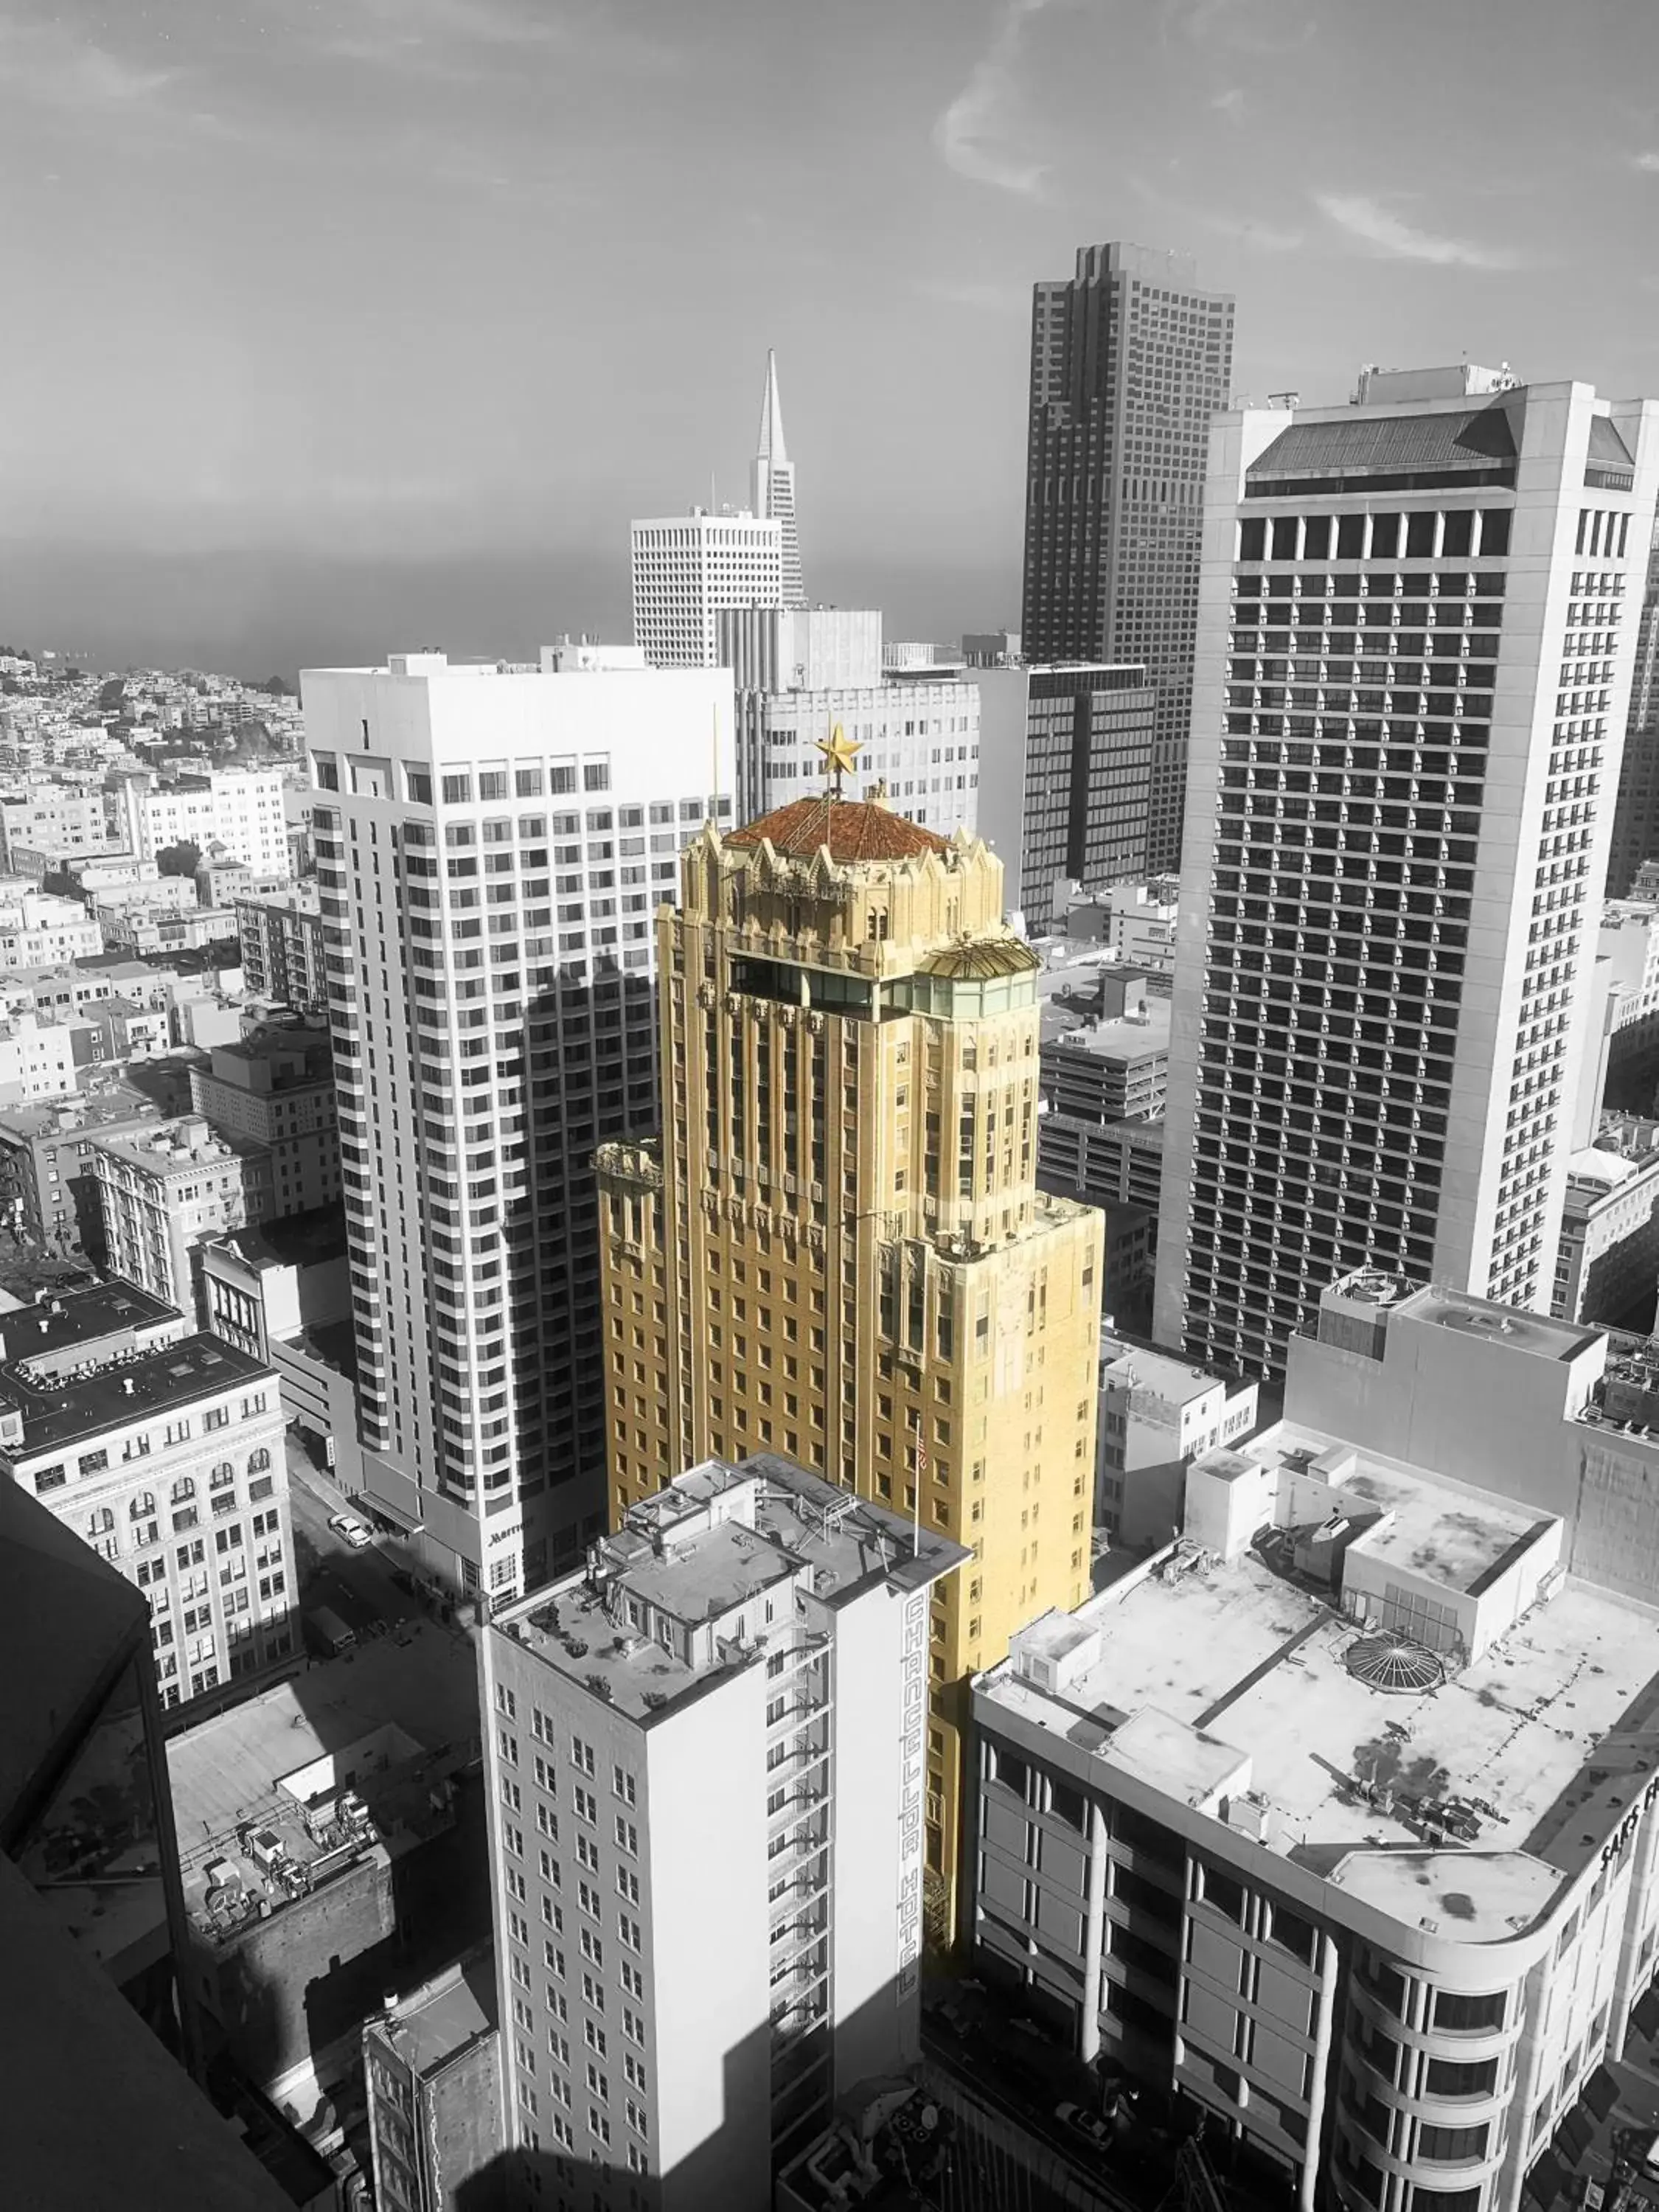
1129	363
490	845
772	487
1416	630
839	1250
1636	817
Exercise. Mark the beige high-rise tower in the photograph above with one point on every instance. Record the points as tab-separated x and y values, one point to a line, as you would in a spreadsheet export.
838	1250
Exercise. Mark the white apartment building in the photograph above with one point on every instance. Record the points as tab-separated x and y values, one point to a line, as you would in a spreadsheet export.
240	808
50	815
706	1755
1416	627
491	848
164	1186
1156	1416
38	931
1338	1815
37	1060
164	1451
802	673
685	569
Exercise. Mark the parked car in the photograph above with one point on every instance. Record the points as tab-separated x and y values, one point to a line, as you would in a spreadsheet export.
1077	2121
353	1530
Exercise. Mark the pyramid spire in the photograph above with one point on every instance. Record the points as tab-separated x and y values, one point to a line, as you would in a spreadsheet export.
771	447
772	481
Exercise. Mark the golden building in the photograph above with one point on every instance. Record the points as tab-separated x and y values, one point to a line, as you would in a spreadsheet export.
838	1250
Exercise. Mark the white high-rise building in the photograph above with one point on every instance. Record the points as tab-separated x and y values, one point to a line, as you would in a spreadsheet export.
490	845
686	567
772	486
802	673
1416	628
708	1754
240	808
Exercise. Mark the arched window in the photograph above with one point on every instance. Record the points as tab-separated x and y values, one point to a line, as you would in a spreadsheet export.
258	1461
223	1475
183	1490
100	1524
143	1506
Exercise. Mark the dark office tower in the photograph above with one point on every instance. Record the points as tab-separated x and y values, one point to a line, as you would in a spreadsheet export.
1636	816
1129	361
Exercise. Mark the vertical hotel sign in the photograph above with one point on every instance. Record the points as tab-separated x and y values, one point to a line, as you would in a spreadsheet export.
911	1767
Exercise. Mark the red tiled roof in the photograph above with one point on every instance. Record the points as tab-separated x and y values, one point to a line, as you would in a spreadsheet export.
852	828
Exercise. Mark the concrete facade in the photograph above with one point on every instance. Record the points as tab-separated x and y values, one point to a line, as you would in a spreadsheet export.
490	846
1398	811
756	1624
685	569
164	1451
1156	1416
282	954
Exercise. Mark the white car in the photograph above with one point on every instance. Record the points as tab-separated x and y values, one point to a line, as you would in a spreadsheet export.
1089	2126
353	1531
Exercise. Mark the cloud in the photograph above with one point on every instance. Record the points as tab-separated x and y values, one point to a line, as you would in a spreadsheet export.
427	36
46	64
1390	235
1230	103
1648	162
970	134
1249	27
1243	229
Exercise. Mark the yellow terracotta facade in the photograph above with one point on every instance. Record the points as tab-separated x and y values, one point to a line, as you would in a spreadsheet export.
837	1249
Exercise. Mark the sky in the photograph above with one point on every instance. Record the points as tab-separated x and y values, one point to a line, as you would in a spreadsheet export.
329	327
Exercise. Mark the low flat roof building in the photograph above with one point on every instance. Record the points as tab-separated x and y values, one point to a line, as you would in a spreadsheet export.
313	1821
1345	1800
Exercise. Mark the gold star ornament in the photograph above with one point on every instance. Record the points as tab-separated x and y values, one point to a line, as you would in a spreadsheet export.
840	755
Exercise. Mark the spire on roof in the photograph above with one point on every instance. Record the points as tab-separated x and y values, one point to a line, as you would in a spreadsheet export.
771	447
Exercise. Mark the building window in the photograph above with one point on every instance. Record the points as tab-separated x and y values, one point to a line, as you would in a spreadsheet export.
50	1478
1454	2009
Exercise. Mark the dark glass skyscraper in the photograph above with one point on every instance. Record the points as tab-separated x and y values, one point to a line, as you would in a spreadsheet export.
1129	361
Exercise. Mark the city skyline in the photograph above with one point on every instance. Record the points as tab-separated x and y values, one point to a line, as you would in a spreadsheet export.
253	439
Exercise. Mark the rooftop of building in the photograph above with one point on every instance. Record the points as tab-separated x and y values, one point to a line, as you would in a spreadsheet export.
698	1550
390	1720
91	1112
1142	1034
438	2021
81	1316
1212	1682
310	1239
58	1409
184	1144
853	830
1176	1381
